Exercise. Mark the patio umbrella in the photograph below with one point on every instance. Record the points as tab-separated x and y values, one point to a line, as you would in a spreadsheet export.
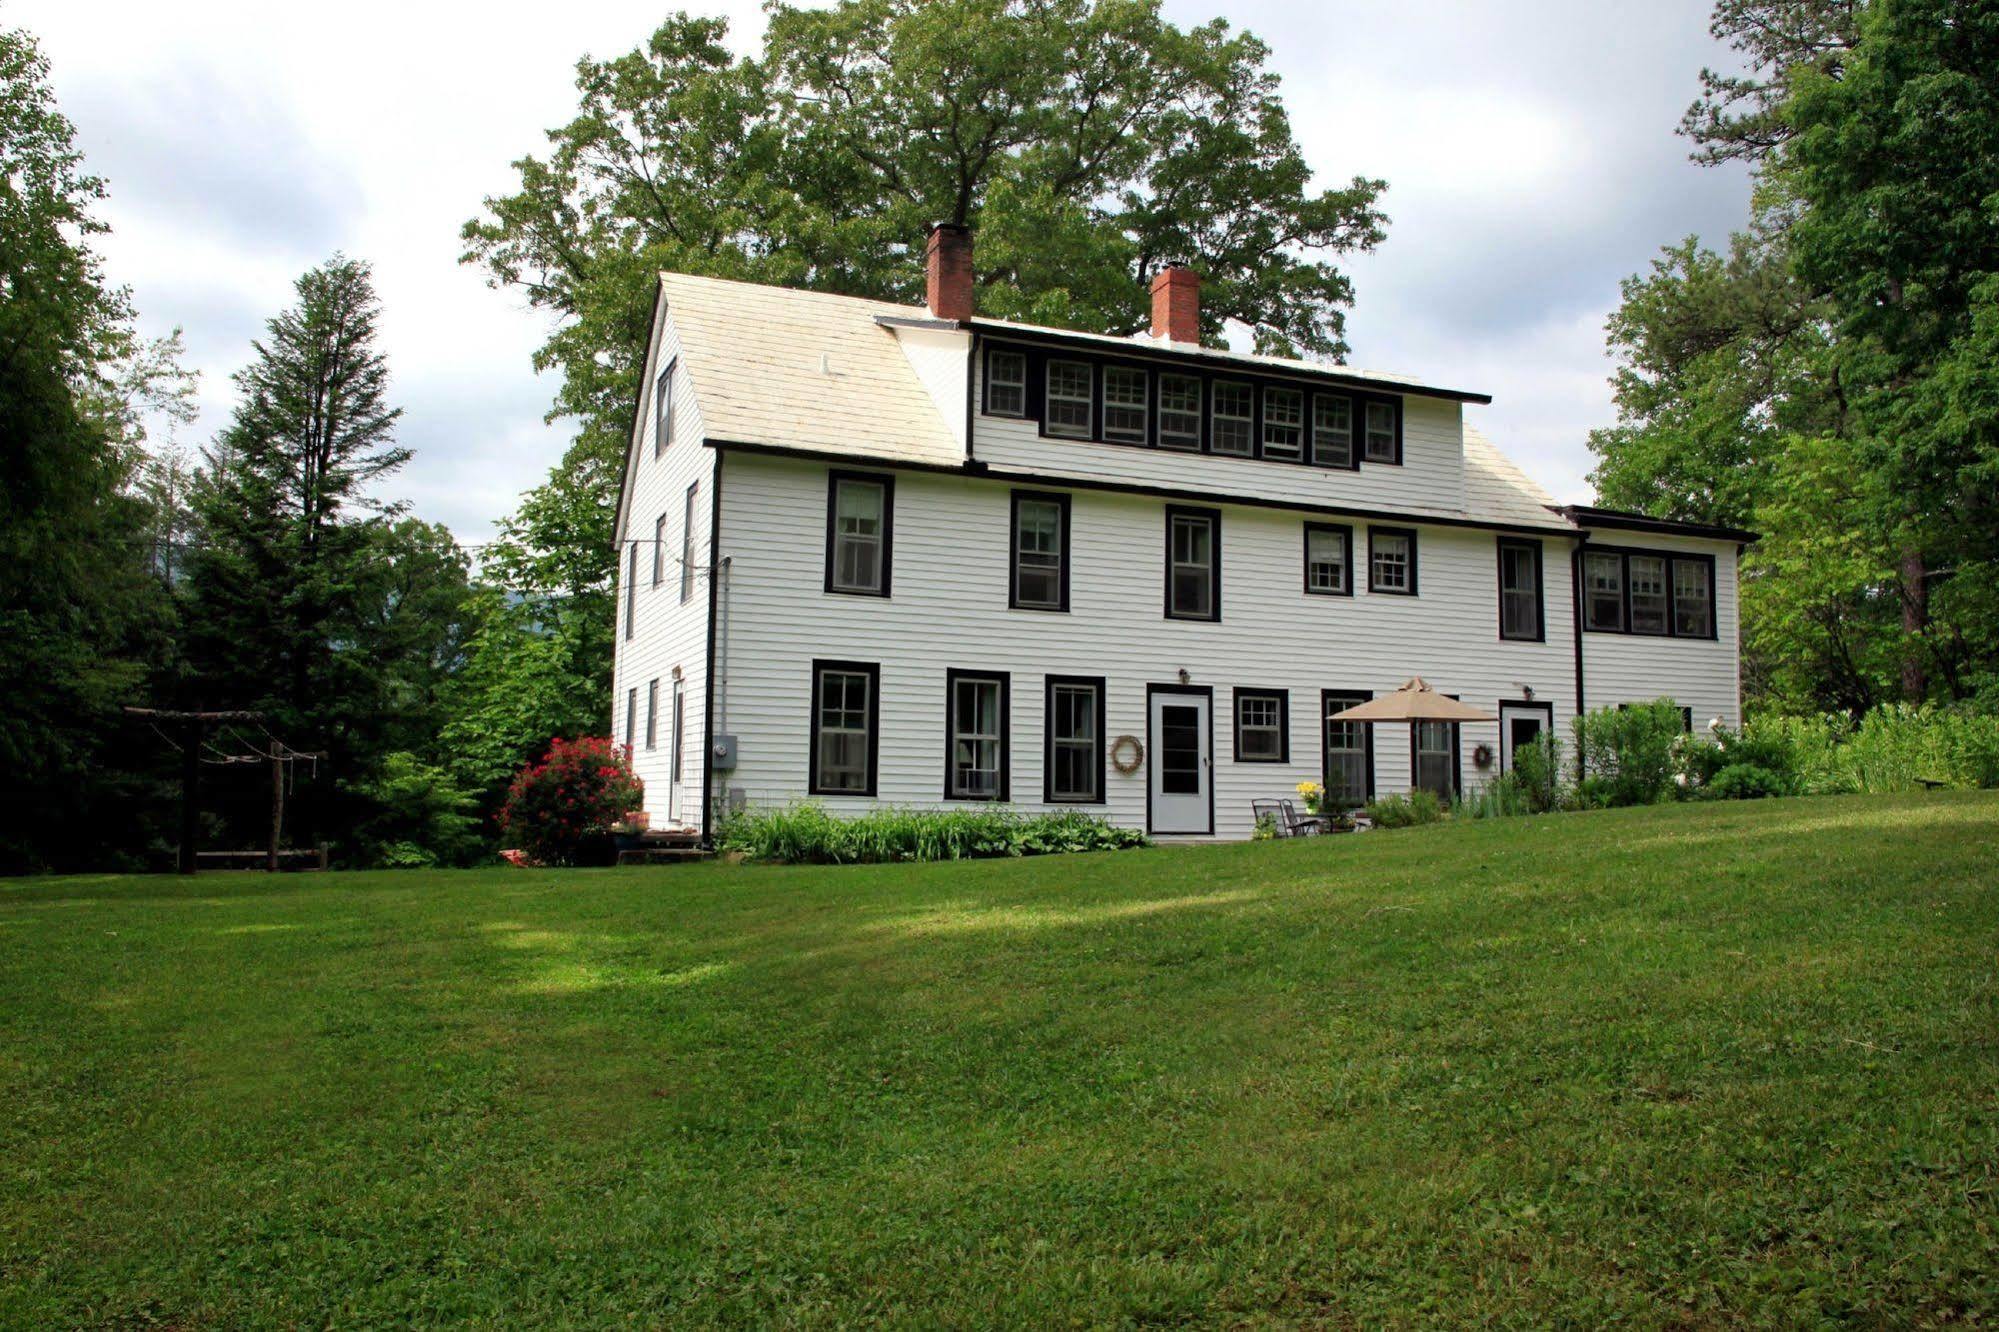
1413	702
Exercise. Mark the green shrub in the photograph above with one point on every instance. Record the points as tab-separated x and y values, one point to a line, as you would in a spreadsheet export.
1405	811
1748	781
806	833
1538	768
1625	756
417	816
1895	747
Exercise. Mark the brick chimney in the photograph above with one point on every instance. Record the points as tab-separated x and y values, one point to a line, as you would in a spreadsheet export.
947	263
1176	304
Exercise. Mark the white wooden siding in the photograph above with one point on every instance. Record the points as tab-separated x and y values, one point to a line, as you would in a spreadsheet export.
668	633
949	610
1429	480
1702	674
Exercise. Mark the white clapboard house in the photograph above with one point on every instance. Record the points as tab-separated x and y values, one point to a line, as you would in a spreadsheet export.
881	555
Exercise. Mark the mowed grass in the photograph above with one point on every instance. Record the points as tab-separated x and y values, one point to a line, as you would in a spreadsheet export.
1721	1064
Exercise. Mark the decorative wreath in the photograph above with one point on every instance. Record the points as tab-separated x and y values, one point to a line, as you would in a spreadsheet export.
1482	756
1126	754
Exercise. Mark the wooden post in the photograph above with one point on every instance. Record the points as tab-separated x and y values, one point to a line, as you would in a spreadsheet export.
190	793
277	805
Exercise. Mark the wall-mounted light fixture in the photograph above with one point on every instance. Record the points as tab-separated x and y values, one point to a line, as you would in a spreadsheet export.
1184	677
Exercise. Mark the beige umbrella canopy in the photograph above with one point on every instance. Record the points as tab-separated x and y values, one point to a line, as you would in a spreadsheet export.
1413	702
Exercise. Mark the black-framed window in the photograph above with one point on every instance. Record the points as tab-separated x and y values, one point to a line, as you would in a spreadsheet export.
1391	560
687	543
1332	430
1382	434
1232	423
631	717
659	550
631	589
846	727
1347	769
1038	559
662	410
1654	593
679	727
1006	382
1193	564
1433	757
1072	759
652	713
860	529
1071	389
1521	615
1328	559
1125	397
975	735
1283	424
1180	412
1262	726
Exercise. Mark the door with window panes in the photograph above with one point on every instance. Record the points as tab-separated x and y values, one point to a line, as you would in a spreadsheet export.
1181	761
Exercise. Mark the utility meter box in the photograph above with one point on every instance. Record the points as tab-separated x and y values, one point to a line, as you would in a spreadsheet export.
723	753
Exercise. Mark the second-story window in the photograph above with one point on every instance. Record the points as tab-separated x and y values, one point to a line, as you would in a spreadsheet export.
1693	598
631	590
1235	414
1193	564
1006	383
1068	410
662	410
1328	560
687	544
1180	411
1645	584
1384	438
859	527
1391	561
659	550
1124	404
1603	591
1283	424
1520	590
1040	576
1332	430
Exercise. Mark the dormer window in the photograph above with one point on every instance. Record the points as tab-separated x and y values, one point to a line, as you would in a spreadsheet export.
1068	413
1283	424
1235	419
1006	383
1180	412
1332	430
1384	440
1124	404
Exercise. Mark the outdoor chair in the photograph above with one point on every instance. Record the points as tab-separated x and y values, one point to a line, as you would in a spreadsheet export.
1284	818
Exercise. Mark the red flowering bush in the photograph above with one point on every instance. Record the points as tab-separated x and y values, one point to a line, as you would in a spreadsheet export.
560	810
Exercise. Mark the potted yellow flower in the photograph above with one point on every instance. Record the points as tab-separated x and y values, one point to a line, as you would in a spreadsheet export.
1314	796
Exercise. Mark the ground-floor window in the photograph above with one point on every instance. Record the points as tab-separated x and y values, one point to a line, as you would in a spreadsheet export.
1261	726
1074	753
976	752
1349	752
1434	757
846	706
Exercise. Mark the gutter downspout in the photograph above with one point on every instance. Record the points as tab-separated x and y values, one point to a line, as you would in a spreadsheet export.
971	391
1576	611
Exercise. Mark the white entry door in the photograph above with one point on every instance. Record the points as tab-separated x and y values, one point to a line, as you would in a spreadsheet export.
1520	724
1181	760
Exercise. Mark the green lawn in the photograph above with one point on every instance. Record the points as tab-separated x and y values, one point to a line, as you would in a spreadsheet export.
1687	1066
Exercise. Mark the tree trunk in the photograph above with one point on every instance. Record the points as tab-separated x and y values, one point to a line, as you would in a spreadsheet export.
1915	618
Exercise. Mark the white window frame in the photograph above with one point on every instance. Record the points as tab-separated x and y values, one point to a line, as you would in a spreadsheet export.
659	550
1228	423
1085	401
662	409
1702	572
870	677
1332	445
1342	538
1015	388
687	542
1090	746
1662	595
1392	450
1283	428
1209	569
958	684
1180	427
1594	586
1405	586
1271	727
1125	419
839	536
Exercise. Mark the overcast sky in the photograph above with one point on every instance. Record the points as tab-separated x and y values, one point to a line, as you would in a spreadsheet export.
1528	149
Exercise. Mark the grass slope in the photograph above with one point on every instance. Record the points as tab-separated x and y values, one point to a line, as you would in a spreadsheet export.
1681	1066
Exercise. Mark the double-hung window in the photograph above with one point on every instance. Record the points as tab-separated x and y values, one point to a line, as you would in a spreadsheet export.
1040	562
658	550
1520	590
1234	418
1262	726
1073	760
679	726
976	741
1067	412
1284	424
1693	598
1179	411
1332	430
687	543
1433	757
1006	383
652	713
1124	404
662	410
1384	433
846	701
631	716
1391	561
631	588
860	517
1193	564
1645	589
1349	752
1603	591
1328	560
